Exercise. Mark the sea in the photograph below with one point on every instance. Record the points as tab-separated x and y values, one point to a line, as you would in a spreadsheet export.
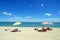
29	24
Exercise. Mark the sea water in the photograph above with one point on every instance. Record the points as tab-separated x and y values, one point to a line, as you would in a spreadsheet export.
29	24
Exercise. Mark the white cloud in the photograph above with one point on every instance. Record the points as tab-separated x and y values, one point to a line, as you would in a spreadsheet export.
42	5
28	17
16	18
48	14
34	19
6	13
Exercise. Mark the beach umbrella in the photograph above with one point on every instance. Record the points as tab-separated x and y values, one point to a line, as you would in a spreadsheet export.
16	23
51	23
47	23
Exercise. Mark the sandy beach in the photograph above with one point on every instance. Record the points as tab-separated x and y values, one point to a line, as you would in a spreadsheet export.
28	33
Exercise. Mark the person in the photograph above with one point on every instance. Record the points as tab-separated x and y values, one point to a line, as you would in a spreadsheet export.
44	29
15	30
36	29
49	28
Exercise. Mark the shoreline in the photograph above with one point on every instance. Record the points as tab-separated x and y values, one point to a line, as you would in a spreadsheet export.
26	27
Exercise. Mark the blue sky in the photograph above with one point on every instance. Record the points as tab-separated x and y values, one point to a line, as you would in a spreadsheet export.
30	10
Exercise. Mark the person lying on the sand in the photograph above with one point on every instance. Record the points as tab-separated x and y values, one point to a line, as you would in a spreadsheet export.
42	30
15	30
36	29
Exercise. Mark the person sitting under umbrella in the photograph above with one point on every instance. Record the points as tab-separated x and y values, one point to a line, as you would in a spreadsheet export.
44	29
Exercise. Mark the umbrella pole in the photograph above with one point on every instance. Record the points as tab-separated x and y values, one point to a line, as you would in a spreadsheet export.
43	25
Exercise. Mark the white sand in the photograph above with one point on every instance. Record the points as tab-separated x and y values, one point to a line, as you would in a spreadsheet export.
28	33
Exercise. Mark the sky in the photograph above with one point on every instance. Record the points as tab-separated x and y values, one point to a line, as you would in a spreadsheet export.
30	10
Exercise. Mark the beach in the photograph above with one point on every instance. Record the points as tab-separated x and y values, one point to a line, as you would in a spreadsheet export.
28	33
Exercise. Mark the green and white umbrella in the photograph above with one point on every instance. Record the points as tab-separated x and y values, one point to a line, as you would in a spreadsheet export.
17	23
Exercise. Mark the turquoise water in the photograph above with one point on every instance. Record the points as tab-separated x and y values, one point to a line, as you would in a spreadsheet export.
30	24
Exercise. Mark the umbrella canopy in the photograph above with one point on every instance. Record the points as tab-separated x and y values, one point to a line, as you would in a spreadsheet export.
16	23
51	23
45	22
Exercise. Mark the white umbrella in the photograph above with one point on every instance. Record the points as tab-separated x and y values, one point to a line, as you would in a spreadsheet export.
47	23
16	23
